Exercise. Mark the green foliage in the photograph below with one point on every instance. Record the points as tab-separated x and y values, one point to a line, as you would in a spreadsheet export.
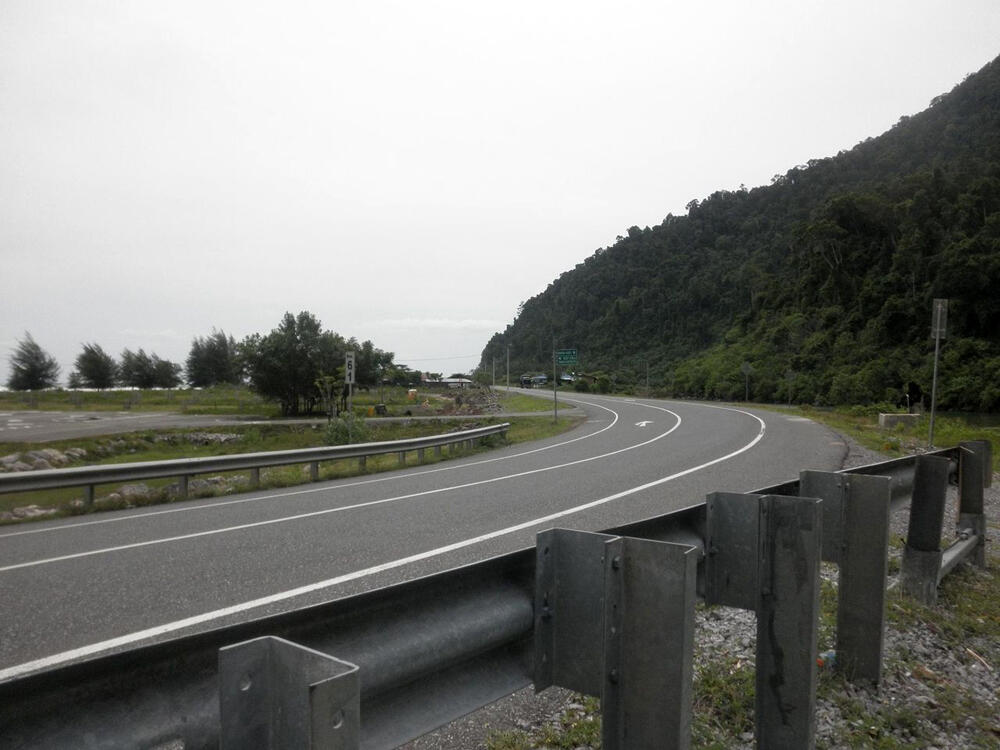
213	360
577	726
31	367
827	274
346	429
141	370
286	364
723	699
95	368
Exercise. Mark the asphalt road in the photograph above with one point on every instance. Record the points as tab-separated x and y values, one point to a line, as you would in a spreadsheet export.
79	587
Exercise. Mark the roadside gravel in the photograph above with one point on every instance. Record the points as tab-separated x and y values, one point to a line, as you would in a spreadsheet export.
923	670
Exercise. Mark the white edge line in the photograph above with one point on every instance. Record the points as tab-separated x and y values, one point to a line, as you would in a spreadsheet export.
96	648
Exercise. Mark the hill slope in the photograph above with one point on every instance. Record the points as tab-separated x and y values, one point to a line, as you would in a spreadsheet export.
823	281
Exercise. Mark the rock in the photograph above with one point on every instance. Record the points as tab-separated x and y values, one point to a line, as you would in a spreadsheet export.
54	457
32	511
76	453
130	493
20	466
40	464
10	459
212	438
6	516
109	502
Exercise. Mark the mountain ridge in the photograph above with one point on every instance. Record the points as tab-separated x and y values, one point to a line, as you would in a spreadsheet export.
822	281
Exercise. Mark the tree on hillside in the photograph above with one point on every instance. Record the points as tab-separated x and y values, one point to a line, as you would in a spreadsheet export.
141	370
285	364
95	368
31	367
213	360
829	272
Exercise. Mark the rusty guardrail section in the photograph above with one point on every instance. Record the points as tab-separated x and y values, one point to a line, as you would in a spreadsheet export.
184	468
609	614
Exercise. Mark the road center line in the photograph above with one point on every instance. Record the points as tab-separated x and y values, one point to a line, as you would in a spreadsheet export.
327	511
96	648
393	476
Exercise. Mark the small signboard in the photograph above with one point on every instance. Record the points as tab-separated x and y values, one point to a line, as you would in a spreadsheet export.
349	368
566	357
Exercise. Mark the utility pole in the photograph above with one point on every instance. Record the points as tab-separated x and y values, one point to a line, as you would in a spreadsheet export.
508	367
494	372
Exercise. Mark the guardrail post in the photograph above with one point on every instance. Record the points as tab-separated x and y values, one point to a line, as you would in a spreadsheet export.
88	496
922	554
763	553
362	463
975	472
255	478
182	487
420	455
401	458
614	617
856	537
276	694
314	471
437	451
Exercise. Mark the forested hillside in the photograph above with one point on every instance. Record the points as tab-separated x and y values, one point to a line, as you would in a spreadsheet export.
823	281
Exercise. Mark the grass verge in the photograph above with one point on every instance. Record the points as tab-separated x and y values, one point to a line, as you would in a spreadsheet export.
861	424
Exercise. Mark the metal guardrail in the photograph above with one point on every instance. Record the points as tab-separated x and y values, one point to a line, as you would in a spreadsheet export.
184	468
587	611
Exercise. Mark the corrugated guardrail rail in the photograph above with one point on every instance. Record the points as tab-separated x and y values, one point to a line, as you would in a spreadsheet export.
184	468
609	614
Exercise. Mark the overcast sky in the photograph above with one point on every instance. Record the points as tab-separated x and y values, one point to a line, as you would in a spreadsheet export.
407	171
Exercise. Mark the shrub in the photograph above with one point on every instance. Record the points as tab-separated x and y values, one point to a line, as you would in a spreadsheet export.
346	429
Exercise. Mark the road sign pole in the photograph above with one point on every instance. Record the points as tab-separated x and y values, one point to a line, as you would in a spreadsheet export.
555	398
349	380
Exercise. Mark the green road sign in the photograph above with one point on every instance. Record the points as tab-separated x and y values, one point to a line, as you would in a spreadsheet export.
565	357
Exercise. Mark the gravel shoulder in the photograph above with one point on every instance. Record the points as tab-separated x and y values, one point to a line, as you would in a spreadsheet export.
937	691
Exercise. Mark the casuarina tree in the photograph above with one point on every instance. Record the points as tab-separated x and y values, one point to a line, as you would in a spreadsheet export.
213	360
95	368
31	367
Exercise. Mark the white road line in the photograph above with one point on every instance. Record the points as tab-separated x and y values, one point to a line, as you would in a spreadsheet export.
327	511
394	476
170	627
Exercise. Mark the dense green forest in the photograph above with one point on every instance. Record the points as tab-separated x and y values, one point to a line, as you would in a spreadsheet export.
822	281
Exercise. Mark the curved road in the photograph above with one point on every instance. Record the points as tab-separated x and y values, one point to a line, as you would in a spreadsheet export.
78	587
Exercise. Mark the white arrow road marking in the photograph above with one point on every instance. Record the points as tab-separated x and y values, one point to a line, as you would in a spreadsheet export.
644	423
